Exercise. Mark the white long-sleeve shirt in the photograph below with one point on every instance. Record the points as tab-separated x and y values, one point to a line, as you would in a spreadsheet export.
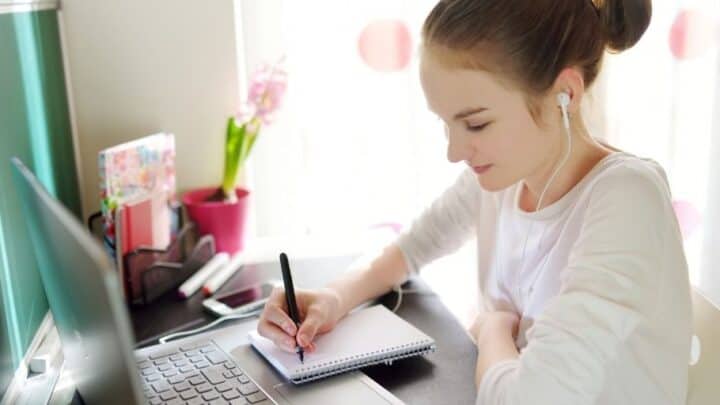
603	291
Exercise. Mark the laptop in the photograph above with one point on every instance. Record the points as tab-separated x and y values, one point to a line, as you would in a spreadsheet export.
216	367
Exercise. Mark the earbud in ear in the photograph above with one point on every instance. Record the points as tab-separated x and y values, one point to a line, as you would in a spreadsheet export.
563	100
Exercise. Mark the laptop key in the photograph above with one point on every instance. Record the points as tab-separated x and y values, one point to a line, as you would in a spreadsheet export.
197	380
160	386
205	387
168	395
156	401
196	359
175	401
181	363
170	373
187	348
165	367
210	395
232	394
228	374
176	357
189	394
183	386
161	361
229	365
153	378
207	349
215	357
201	365
192	353
217	402
142	365
213	375
239	401
187	369
195	401
176	379
243	379
223	387
256	397
248	388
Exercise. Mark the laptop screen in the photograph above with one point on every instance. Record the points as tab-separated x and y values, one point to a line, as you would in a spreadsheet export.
84	296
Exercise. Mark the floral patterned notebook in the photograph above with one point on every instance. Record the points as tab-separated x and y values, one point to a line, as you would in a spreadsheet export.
131	171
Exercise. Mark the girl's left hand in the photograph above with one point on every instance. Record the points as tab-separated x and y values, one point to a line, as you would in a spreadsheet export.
494	320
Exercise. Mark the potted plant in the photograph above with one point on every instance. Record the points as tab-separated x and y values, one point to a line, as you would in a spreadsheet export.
222	211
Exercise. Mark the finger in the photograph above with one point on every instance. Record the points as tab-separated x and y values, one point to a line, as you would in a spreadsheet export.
277	316
308	329
277	297
277	336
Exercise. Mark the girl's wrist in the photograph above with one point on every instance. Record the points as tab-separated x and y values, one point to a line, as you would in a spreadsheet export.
498	325
336	301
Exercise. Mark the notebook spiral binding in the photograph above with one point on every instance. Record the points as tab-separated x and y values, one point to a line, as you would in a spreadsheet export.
353	362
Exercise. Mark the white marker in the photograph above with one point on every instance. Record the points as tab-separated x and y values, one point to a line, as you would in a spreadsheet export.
191	285
217	280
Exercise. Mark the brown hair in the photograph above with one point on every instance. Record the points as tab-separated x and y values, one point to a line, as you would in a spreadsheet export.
530	42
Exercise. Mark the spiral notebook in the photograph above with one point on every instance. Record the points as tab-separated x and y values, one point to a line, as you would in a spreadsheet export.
364	337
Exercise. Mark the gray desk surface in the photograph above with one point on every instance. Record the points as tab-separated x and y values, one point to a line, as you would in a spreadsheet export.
443	377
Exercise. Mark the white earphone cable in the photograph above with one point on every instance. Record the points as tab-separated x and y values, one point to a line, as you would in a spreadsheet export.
563	101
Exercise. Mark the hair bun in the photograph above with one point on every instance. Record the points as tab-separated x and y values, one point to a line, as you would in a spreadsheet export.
624	21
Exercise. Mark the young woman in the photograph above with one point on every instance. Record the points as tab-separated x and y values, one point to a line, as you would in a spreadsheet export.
584	284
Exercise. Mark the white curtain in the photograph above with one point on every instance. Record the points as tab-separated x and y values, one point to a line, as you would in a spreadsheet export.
354	145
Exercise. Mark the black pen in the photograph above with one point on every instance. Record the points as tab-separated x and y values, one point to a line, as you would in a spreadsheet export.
290	297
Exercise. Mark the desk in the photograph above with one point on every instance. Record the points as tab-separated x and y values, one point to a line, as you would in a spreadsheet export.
444	377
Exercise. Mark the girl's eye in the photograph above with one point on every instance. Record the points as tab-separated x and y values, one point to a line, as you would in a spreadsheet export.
477	128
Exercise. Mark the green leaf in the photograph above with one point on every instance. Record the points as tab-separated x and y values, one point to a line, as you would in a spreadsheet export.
235	138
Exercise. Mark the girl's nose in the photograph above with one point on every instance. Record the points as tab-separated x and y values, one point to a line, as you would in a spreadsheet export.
459	149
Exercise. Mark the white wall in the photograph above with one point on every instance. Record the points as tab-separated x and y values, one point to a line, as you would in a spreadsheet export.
137	67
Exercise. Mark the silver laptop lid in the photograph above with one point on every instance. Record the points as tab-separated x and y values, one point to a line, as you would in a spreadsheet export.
84	297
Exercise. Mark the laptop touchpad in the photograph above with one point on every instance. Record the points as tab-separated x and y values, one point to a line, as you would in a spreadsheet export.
347	389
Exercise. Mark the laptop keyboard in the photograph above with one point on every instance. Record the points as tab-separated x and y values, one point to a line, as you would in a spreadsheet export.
197	374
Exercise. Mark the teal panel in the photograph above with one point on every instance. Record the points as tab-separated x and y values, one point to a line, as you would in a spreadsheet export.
34	126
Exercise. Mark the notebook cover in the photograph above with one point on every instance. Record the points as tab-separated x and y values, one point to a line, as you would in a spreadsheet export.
131	170
364	337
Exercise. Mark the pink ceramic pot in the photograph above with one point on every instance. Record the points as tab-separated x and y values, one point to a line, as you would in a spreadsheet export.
225	221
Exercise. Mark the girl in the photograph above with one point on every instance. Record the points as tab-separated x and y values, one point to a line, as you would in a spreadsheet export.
584	284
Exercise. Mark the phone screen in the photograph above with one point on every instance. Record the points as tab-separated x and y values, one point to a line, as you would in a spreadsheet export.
237	298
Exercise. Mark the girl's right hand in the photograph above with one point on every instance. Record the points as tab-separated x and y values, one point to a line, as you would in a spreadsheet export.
319	313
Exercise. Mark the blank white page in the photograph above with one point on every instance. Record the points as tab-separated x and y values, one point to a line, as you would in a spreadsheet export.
367	331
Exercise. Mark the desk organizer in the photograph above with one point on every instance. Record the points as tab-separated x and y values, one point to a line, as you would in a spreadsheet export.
147	273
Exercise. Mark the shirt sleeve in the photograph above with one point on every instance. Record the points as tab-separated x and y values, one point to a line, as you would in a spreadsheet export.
609	286
444	226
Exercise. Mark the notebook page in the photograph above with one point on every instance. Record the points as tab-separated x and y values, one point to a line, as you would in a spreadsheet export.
368	330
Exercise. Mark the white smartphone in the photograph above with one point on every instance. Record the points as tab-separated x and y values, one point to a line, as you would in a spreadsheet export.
248	299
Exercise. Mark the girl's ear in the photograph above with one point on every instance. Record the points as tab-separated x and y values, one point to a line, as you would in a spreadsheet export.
570	81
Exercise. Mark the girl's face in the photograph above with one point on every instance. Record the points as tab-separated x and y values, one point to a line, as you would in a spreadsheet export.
486	124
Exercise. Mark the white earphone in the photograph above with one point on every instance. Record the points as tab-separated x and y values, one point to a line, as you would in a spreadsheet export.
563	101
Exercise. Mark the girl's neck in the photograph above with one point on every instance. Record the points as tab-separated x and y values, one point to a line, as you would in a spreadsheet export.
585	154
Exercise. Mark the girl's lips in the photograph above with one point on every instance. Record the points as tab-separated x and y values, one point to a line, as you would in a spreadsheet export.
481	169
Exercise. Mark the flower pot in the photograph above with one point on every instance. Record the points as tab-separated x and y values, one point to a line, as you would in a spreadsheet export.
225	221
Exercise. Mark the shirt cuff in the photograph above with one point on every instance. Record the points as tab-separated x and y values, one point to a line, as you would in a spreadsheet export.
491	385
